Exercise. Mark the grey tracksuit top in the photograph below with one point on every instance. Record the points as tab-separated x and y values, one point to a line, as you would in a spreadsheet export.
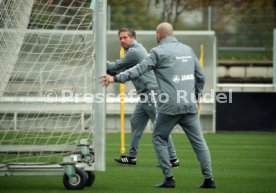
135	54
178	74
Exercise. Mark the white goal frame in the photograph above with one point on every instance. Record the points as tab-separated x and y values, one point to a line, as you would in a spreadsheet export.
99	8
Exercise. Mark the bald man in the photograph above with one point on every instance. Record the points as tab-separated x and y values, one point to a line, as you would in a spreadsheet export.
181	81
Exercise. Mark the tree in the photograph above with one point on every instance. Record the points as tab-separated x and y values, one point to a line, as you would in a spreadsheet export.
172	9
133	14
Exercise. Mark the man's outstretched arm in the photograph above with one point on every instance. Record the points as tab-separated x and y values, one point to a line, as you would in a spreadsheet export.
126	62
146	65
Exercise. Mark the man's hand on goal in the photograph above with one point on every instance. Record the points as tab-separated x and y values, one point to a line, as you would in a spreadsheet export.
105	80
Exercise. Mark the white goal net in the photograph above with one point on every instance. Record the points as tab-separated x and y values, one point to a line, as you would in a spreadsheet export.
46	77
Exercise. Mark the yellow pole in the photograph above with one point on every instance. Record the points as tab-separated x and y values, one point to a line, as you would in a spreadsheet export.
201	63
122	111
201	58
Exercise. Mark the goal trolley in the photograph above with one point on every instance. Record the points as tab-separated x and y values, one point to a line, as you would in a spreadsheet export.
50	120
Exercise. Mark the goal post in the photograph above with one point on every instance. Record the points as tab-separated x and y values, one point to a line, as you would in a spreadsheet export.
49	86
100	50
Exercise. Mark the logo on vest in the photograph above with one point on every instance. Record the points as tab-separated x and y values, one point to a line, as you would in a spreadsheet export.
183	58
184	77
176	78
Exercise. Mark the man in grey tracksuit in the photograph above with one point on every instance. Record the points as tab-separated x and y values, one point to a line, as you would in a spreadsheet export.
181	81
145	110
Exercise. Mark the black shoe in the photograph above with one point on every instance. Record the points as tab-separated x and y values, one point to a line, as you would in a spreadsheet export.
167	183
208	183
124	160
175	163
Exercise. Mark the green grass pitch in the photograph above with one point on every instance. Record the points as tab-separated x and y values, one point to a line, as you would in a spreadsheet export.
242	163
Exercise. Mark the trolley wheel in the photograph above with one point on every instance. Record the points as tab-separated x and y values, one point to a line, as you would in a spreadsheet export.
90	178
76	182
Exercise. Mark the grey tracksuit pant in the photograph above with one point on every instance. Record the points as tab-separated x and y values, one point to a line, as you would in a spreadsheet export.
190	124
140	117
